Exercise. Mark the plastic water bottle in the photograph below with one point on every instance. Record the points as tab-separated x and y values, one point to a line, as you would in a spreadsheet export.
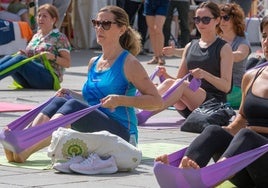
132	140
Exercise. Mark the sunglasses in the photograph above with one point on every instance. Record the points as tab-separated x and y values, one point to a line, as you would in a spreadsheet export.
106	25
226	17
205	20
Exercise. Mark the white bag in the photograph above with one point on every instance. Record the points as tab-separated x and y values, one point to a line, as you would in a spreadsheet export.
66	143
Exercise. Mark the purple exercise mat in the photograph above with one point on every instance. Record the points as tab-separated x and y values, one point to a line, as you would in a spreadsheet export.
159	123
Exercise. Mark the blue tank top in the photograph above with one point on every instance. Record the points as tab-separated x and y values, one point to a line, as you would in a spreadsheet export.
99	84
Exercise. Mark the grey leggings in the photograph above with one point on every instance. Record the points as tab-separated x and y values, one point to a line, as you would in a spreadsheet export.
92	122
214	142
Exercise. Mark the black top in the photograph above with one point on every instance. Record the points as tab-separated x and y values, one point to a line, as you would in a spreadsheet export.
209	60
256	108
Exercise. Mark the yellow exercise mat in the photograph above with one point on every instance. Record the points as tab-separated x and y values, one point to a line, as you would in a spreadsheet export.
152	150
38	160
41	161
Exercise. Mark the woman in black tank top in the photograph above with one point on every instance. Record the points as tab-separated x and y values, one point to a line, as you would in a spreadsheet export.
208	58
248	131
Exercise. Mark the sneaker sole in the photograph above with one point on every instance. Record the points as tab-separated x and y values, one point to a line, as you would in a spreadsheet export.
66	171
109	170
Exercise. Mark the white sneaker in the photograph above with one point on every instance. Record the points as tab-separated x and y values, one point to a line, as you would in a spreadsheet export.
95	165
65	166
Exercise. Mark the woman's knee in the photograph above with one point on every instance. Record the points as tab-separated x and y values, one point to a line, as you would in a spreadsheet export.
72	105
168	82
53	106
245	134
214	130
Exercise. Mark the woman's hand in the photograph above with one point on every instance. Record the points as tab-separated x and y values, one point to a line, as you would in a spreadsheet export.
169	51
62	92
110	101
161	71
198	73
49	55
21	52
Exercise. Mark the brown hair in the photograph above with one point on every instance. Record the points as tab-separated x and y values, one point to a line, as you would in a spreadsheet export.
213	7
237	17
52	10
131	39
264	23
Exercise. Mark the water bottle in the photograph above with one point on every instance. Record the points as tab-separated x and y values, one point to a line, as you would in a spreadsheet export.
132	140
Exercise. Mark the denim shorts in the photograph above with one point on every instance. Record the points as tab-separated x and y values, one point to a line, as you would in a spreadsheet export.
156	7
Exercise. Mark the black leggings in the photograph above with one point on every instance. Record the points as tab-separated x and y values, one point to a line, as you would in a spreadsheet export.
92	122
214	142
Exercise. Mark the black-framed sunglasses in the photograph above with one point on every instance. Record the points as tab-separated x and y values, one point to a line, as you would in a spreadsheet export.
226	17
106	25
205	20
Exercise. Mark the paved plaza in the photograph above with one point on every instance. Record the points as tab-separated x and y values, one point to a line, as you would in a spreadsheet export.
141	177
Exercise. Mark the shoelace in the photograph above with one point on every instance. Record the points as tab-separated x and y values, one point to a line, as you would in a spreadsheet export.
89	160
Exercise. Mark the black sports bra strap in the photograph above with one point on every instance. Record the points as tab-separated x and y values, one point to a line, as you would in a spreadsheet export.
257	75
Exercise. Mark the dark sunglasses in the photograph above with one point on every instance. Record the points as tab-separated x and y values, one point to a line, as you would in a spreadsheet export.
205	20
106	25
226	17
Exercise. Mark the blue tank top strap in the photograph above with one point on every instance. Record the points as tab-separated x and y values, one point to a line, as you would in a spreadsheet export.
122	57
95	62
120	60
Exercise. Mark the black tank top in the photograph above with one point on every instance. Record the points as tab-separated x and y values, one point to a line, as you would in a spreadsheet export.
256	108
209	60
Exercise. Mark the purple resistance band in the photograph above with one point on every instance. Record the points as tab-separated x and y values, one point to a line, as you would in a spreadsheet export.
152	76
170	176
194	85
17	139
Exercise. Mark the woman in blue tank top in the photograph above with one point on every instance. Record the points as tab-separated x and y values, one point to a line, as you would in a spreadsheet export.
112	80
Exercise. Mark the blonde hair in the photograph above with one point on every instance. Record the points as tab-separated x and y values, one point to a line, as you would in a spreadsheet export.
131	39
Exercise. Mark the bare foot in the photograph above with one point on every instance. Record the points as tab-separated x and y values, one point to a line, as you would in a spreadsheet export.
163	159
22	156
9	155
186	162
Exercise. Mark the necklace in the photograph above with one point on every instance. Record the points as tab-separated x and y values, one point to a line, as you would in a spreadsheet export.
106	62
103	65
